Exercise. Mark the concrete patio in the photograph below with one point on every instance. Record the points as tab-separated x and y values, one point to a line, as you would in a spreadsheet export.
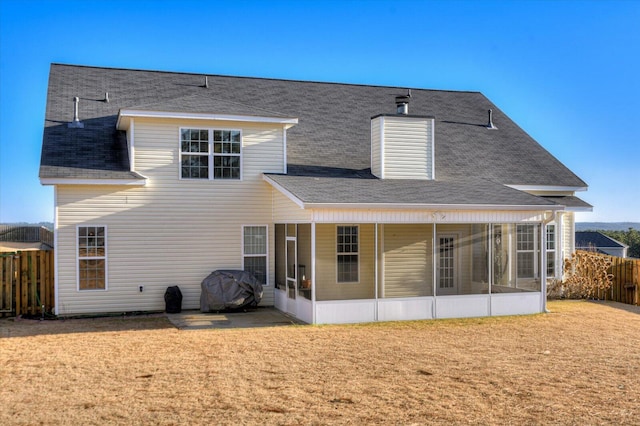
258	317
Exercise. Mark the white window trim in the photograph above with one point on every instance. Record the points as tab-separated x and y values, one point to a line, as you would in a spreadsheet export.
457	260
335	242
210	154
105	257
266	255
535	251
554	250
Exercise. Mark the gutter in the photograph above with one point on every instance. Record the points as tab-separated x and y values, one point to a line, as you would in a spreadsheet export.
142	181
397	206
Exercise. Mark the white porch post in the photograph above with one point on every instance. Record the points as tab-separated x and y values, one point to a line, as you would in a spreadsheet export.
433	270
375	270
313	271
543	265
490	262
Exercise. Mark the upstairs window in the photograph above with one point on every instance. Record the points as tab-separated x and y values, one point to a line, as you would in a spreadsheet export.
210	154
194	145
226	154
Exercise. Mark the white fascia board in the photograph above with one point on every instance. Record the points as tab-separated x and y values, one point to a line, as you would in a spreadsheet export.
378	206
124	114
284	191
75	181
547	188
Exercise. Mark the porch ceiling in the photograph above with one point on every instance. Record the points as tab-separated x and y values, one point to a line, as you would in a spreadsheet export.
324	191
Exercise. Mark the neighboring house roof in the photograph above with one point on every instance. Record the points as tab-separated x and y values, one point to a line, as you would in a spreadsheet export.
25	237
595	239
333	130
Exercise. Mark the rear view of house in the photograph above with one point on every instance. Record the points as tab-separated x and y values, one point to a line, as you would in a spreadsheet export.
350	203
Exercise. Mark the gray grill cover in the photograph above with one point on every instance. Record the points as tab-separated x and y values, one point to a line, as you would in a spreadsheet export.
229	290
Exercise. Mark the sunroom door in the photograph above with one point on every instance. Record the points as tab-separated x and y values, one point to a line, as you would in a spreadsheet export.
292	278
447	262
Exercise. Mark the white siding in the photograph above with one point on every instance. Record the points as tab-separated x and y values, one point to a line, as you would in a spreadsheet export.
376	147
171	231
286	211
407	148
568	234
407	260
327	287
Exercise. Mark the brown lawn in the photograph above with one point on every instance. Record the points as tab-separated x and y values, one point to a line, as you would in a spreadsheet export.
577	365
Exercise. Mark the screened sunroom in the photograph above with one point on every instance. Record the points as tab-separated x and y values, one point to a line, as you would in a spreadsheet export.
363	258
358	272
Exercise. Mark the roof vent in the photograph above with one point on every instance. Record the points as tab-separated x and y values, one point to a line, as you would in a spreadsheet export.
206	81
402	103
76	123
490	125
106	97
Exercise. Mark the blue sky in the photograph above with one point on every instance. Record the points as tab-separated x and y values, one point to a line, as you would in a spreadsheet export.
568	72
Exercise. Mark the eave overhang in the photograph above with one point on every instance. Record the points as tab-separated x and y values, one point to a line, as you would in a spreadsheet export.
540	189
75	181
125	116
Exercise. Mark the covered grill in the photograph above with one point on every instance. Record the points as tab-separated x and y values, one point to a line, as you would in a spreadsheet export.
229	289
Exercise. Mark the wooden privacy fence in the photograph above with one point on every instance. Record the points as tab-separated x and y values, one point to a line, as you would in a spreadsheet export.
626	281
26	283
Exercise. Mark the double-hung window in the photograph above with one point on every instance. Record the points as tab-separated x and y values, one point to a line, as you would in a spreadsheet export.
551	250
347	253
254	252
210	154
526	251
92	258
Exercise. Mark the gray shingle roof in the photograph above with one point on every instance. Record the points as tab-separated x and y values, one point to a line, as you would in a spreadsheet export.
594	239
320	189
569	201
333	130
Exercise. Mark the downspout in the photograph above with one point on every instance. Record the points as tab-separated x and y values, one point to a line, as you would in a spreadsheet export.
543	260
56	250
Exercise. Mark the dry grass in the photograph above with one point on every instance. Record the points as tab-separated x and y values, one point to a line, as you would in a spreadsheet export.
577	365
